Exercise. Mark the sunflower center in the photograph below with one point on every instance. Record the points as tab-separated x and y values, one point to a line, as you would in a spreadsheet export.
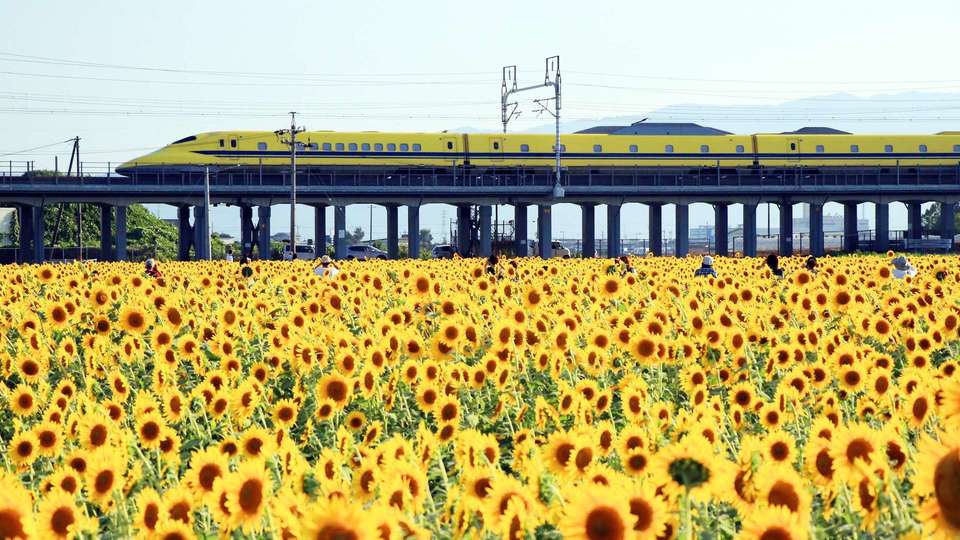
251	496
775	533
61	520
180	512
824	464
208	474
688	472
604	523
151	514
11	524
98	435
641	510
859	449
784	494
946	485
583	459
103	481
336	532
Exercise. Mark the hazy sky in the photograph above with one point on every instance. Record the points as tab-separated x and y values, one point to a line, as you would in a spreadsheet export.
128	77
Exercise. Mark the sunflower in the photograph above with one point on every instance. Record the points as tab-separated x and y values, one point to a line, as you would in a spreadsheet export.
336	388
16	509
937	485
648	512
773	523
595	512
247	491
778	485
256	443
206	466
688	465
23	449
22	401
149	428
133	319
285	413
148	506
104	475
854	445
178	504
49	438
59	517
338	518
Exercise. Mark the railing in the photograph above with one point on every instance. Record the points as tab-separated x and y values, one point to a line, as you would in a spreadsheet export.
473	177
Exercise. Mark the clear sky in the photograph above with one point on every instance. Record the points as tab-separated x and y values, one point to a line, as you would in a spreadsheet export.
128	77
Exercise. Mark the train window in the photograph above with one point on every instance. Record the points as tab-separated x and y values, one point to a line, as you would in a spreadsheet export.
634	149
353	147
739	148
233	143
956	148
923	148
327	147
449	145
365	147
563	148
854	148
300	147
793	146
391	147
598	148
819	148
496	145
704	148
888	148
261	146
668	148
339	147
185	139
313	146
524	147
221	143
404	147
378	147
416	147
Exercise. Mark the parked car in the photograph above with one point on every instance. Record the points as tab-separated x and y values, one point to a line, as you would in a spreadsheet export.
304	251
443	251
364	252
556	247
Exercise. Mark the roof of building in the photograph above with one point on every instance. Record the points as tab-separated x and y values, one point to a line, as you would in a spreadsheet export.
655	128
816	131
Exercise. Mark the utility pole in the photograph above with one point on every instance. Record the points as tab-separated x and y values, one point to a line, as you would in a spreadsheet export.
207	246
370	240
292	141
508	110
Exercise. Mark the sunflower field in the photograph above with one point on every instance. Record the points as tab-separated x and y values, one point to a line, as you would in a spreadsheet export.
420	399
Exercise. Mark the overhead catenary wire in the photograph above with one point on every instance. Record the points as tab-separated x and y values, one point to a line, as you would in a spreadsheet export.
27	150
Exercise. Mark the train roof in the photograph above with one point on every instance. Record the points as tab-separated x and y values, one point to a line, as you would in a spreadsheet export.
815	130
654	128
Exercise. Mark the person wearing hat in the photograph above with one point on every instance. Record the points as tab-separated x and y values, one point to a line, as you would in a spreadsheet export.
706	268
151	268
902	268
326	268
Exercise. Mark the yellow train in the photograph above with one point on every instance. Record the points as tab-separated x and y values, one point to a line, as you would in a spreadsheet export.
643	145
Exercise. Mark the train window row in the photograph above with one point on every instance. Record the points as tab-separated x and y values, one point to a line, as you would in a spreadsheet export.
366	147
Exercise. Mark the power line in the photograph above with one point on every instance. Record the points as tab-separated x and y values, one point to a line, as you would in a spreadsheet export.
36	148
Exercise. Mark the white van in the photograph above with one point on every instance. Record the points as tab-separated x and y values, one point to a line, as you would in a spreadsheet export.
304	251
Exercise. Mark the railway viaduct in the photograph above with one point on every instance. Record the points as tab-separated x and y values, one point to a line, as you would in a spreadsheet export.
255	191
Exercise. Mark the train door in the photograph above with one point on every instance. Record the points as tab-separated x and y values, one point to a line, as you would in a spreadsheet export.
448	146
496	148
793	149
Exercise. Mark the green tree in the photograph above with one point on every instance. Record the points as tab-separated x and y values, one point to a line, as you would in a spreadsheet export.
931	219
356	236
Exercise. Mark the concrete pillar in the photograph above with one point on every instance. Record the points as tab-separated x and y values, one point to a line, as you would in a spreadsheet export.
339	231
121	254
655	228
463	230
682	244
544	231
201	234
588	229
106	235
393	231
319	230
817	248
851	236
184	233
25	243
881	240
721	228
786	228
948	227
263	232
749	229
247	230
486	228
413	232
520	230
38	229
914	221
613	230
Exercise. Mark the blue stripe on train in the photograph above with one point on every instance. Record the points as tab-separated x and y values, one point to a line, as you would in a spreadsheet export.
582	155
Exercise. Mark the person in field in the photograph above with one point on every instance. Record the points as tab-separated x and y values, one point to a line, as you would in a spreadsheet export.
706	268
773	263
152	268
902	268
326	268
